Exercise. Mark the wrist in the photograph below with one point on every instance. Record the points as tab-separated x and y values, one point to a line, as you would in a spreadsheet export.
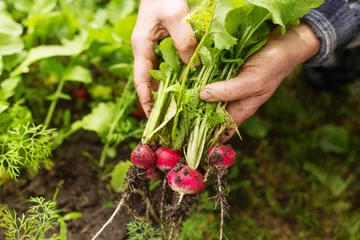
307	43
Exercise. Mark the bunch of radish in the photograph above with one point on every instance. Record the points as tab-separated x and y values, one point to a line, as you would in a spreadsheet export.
181	178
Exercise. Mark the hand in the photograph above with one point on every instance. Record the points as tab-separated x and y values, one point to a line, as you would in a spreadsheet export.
158	19
262	73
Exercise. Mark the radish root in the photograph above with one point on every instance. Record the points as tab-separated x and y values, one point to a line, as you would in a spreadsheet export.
121	203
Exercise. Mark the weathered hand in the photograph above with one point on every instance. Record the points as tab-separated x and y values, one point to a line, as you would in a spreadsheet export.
263	72
158	19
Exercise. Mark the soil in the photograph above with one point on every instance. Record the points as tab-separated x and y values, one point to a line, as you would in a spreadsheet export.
81	189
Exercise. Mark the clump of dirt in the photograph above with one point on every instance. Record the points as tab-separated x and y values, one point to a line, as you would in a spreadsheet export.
81	189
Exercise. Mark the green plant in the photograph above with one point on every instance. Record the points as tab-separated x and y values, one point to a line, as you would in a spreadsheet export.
37	223
138	230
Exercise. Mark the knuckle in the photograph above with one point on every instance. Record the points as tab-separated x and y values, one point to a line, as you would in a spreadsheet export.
135	38
188	44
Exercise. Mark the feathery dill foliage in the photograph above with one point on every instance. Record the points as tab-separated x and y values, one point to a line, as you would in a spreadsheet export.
35	224
142	230
24	146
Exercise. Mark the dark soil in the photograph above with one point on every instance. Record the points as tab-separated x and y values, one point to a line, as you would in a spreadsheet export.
81	189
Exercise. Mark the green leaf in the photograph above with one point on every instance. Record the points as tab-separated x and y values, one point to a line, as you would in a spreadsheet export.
99	19
169	54
284	12
118	175
255	127
99	120
3	106
209	56
122	69
78	44
170	113
125	27
333	139
101	92
39	53
1	65
9	27
8	86
78	74
119	9
23	5
10	44
56	96
42	7
72	216
10	61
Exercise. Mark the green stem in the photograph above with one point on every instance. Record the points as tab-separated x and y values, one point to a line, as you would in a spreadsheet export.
245	38
121	107
193	59
54	102
159	108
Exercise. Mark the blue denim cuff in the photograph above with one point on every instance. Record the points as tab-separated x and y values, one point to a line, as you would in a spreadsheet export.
336	24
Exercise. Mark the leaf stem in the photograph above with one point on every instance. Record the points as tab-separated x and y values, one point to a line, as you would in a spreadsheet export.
54	102
122	106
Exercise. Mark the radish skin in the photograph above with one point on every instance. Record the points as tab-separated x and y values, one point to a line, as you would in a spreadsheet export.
221	156
185	180
167	158
143	157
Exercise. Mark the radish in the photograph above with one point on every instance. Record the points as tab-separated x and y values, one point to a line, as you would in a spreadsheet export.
152	173
167	158
221	156
185	180
143	156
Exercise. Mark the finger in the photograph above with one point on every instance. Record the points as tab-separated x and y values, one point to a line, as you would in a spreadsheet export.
144	58
241	110
181	33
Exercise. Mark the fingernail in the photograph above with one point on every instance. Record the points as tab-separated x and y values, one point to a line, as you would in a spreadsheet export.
205	94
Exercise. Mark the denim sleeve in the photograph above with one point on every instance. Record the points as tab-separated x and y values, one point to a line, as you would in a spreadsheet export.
336	23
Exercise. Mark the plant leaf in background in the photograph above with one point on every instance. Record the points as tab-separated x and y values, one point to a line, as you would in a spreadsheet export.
98	120
78	74
39	53
10	44
1	65
125	26
255	127
118	176
119	9
335	139
7	87
8	26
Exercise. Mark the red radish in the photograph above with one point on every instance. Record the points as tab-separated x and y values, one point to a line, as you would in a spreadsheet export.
143	157
80	93
185	180
167	158
152	173
221	155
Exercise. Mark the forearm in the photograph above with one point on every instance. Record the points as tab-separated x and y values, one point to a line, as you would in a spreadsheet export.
336	23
